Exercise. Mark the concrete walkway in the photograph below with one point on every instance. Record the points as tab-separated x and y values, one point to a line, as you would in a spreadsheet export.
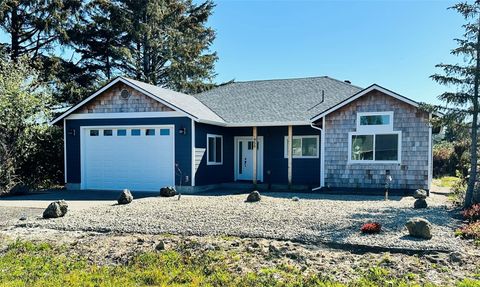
77	200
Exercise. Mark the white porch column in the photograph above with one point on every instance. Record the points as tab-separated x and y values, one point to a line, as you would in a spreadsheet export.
290	139
255	156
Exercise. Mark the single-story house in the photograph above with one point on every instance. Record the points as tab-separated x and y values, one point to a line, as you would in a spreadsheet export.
131	134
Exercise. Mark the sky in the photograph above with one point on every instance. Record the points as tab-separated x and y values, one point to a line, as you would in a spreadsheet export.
395	44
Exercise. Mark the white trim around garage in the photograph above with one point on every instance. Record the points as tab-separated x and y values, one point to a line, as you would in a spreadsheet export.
83	130
113	82
125	115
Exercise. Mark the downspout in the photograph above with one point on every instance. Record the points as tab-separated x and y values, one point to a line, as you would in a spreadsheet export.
322	153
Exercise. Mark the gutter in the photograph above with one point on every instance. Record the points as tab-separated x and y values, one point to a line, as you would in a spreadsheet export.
321	153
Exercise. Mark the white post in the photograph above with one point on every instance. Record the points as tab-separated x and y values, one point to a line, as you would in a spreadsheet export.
430	153
290	140
255	156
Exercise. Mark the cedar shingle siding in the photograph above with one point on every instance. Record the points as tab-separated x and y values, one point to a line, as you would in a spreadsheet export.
110	101
413	171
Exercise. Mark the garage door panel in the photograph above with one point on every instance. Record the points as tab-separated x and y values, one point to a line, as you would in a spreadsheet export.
135	162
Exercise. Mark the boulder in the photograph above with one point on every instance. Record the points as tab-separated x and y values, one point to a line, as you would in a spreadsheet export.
125	197
419	228
56	209
420	194
254	196
295	198
160	246
168	191
420	203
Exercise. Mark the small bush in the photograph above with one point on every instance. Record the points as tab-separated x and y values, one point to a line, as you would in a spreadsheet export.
371	228
473	213
470	231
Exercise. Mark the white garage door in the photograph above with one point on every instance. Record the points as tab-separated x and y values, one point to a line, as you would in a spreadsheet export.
137	158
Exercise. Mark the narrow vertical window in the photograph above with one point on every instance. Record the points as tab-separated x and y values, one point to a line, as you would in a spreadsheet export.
214	149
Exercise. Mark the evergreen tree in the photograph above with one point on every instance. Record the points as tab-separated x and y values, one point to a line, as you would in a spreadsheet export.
463	103
169	43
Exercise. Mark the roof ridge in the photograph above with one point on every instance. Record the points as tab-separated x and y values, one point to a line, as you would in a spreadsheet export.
297	78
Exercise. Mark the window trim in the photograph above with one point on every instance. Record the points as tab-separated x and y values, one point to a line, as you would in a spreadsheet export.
285	149
214	152
373	161
375	128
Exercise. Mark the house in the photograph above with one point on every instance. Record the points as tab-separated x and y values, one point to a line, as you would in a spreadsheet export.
130	134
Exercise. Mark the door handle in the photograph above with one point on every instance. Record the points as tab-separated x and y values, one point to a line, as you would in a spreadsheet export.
245	162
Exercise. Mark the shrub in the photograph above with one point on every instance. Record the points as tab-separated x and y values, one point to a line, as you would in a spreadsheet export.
470	231
371	228
473	213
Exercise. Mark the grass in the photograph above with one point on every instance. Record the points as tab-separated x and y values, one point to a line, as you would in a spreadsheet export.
446	181
29	264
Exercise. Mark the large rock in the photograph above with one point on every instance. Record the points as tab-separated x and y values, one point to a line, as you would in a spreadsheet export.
420	203
168	191
420	194
419	228
254	196
125	197
56	209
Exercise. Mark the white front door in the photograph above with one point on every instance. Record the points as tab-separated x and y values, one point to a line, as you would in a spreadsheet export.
140	158
244	158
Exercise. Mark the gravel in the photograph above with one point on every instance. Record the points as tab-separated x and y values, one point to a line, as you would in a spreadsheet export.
313	219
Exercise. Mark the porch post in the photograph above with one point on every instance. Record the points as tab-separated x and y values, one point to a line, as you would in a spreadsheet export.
255	156
290	148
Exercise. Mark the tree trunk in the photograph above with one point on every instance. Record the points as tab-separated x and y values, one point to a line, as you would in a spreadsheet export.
469	195
15	34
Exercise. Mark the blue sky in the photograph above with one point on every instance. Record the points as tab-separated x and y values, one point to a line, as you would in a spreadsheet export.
392	43
395	44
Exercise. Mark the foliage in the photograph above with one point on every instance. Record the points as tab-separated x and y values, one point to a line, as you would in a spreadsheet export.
472	213
458	192
24	137
371	228
446	181
470	231
444	159
40	264
462	102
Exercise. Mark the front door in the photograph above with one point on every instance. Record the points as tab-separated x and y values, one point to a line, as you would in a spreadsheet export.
244	158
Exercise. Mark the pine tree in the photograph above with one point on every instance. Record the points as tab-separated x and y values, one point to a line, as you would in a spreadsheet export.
463	103
34	26
169	43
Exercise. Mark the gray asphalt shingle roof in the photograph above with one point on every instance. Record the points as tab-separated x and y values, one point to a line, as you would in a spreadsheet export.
270	101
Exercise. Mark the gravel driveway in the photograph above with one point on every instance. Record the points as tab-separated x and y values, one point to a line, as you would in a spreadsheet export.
314	218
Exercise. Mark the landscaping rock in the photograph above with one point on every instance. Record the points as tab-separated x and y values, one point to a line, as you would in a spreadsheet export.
125	197
56	209
419	228
254	196
160	246
420	203
456	257
420	194
168	191
295	198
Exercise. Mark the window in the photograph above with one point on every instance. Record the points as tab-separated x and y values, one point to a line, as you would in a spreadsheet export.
164	132
107	133
94	133
214	149
121	133
375	122
365	148
135	132
150	132
302	147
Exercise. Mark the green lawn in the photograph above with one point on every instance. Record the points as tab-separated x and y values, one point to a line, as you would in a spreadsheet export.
446	181
28	264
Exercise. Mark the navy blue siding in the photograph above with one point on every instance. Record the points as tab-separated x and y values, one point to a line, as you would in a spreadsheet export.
183	143
305	171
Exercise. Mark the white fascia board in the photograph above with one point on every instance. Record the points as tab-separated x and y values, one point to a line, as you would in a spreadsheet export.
364	92
125	115
270	124
113	82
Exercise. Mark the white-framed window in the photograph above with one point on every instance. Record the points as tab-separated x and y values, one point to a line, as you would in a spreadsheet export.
375	122
214	149
302	146
380	147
